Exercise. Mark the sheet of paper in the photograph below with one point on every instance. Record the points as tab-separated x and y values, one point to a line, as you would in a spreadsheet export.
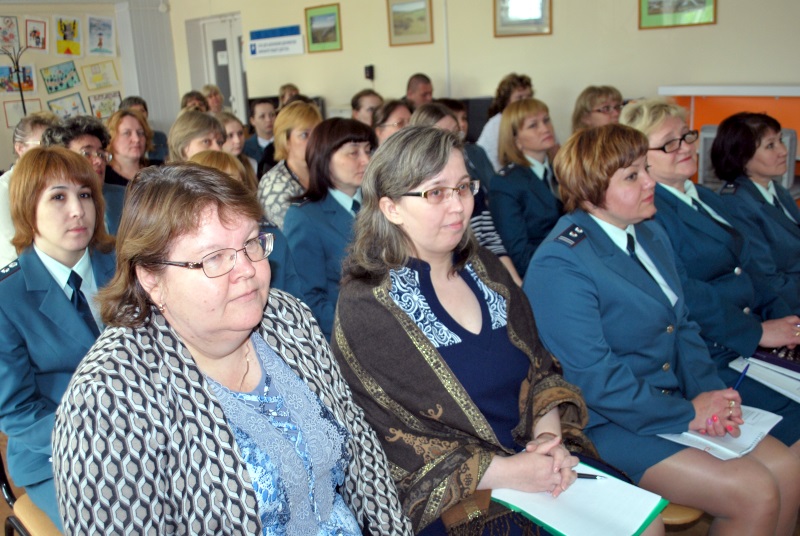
779	382
607	506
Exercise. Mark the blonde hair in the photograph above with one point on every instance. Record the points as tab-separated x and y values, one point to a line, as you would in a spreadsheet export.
647	115
189	125
510	123
297	115
228	164
113	126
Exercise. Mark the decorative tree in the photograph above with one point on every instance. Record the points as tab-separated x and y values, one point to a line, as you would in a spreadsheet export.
15	51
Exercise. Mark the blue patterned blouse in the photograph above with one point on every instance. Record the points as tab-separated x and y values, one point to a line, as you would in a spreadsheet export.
294	449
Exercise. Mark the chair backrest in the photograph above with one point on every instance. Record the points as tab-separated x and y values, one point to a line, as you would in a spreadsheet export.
5	485
705	171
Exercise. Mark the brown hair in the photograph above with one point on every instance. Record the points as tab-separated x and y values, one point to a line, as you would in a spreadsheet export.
163	204
588	99
224	118
510	123
189	125
228	164
38	168
507	86
113	126
297	115
586	162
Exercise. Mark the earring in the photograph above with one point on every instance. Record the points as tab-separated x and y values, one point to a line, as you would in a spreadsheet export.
161	307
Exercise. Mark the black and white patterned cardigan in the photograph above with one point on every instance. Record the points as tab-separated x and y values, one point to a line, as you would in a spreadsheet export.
141	445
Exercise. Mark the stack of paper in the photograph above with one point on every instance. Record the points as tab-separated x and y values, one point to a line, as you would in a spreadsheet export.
779	379
607	506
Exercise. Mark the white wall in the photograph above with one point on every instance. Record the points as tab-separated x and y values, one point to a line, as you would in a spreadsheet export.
593	42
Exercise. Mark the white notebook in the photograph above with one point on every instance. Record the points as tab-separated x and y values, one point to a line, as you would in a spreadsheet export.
757	424
607	506
782	381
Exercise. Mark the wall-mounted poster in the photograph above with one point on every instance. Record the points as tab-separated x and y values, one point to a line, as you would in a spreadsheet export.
104	105
36	34
102	36
8	79
14	111
60	77
100	75
671	13
68	36
9	32
522	17
323	28
67	106
410	22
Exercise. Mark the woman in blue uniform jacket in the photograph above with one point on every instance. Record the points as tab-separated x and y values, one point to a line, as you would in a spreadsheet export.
748	154
57	208
726	293
319	228
618	324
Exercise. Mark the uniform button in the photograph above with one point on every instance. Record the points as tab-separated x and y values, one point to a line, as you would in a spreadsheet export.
665	367
737	271
670	328
666	391
746	310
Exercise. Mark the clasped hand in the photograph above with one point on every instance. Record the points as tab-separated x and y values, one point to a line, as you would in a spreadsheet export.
550	464
717	413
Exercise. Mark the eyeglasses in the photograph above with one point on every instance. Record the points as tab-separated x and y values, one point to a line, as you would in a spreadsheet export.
673	145
100	155
32	142
608	109
222	261
436	196
399	124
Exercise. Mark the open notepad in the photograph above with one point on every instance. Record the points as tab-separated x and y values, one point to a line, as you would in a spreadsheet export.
607	506
757	424
785	382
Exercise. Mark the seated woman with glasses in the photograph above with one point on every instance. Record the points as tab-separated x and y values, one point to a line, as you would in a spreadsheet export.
750	156
726	292
389	118
609	304
212	403
440	348
596	106
47	308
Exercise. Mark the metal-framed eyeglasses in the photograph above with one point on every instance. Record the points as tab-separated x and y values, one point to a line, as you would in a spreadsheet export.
100	155
673	145
609	108
437	195
222	261
399	124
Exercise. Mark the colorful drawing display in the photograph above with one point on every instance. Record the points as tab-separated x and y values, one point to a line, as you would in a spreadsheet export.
60	77
9	32
68	36
101	36
8	79
36	34
105	104
67	106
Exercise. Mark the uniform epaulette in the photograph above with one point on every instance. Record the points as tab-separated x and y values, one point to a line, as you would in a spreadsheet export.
8	270
506	169
571	236
729	188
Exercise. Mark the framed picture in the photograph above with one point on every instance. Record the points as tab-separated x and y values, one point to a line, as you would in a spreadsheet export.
410	22
69	36
60	77
8	79
36	34
671	13
522	17
100	75
67	106
14	111
102	37
323	28
104	105
9	32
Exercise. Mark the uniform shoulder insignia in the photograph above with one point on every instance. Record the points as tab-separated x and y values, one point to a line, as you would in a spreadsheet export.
729	188
506	169
8	270
571	236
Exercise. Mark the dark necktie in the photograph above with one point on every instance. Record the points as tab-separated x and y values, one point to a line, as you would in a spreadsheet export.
632	253
356	206
779	206
550	181
80	303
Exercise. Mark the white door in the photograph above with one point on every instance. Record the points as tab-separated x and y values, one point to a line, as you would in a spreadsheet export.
222	38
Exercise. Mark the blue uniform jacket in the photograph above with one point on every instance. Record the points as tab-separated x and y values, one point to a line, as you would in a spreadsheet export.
638	359
774	238
41	343
114	196
252	148
283	272
318	234
725	292
524	211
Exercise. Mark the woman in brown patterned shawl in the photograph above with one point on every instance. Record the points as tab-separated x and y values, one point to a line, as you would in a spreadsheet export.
440	348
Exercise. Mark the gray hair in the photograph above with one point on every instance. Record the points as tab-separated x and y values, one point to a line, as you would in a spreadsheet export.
407	159
31	122
429	114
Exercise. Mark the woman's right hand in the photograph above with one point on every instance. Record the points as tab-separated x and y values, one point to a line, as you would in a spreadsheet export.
531	470
781	332
717	413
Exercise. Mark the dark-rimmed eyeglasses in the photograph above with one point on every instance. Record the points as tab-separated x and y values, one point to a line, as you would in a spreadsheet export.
100	155
673	145
437	195
609	108
222	261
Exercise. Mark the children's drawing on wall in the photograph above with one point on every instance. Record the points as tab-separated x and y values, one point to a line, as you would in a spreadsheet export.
68	36
8	79
105	104
67	106
60	77
36	34
100	75
101	36
9	32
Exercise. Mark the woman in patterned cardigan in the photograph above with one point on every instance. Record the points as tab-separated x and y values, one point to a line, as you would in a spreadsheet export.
211	405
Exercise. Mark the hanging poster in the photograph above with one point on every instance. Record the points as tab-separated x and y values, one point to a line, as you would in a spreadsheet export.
104	105
36	34
8	79
9	32
68	36
60	77
14	110
67	106
102	36
100	75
